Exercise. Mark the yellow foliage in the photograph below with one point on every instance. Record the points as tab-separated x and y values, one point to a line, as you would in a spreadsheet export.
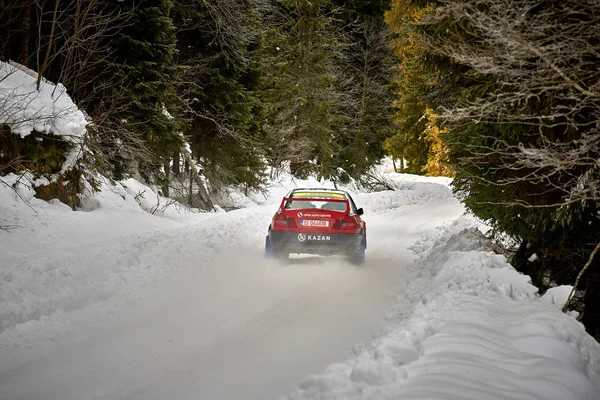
419	138
438	161
403	11
392	147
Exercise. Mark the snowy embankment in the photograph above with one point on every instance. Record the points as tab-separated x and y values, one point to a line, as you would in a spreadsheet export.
476	329
25	108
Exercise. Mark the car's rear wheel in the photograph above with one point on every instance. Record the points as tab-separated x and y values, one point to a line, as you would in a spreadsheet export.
274	252
356	256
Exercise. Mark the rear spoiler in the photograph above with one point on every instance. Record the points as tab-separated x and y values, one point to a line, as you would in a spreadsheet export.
314	199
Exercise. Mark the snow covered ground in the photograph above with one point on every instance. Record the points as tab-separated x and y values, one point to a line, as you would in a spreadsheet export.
116	303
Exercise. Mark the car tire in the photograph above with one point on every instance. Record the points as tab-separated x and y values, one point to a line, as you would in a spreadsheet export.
357	255
273	252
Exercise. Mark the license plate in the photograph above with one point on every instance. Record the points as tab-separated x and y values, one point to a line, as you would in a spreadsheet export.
314	222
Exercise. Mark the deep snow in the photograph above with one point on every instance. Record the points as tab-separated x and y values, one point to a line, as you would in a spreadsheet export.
23	108
115	303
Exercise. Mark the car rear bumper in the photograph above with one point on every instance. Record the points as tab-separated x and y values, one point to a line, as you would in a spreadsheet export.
314	243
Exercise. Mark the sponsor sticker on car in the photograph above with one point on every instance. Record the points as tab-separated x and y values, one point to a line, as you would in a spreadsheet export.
314	222
321	238
313	215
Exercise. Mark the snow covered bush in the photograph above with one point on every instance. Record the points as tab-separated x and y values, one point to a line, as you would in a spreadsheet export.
40	131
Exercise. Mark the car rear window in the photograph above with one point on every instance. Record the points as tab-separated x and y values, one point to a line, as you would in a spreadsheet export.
318	200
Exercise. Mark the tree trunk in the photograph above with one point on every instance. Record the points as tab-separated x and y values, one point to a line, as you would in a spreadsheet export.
580	275
176	161
26	29
165	188
205	201
50	39
591	312
394	164
191	189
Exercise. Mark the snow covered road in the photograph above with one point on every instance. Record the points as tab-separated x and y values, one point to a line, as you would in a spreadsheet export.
207	316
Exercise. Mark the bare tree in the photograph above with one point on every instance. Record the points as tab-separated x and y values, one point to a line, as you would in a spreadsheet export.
79	36
46	60
16	17
202	194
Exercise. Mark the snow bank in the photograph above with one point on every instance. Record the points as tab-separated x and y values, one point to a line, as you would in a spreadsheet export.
477	330
24	109
55	259
150	201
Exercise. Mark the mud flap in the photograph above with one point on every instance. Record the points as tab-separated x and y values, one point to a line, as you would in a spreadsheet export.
268	248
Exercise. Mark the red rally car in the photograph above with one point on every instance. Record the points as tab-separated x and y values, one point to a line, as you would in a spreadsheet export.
318	221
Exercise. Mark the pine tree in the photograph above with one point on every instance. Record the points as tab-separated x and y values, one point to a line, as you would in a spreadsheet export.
367	64
216	42
144	59
302	102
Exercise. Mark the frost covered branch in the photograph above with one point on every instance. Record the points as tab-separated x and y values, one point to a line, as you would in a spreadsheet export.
544	62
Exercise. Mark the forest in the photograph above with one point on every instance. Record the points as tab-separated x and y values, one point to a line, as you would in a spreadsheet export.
196	95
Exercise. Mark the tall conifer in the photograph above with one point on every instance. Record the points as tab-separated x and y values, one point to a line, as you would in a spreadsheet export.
143	60
216	42
367	65
302	100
